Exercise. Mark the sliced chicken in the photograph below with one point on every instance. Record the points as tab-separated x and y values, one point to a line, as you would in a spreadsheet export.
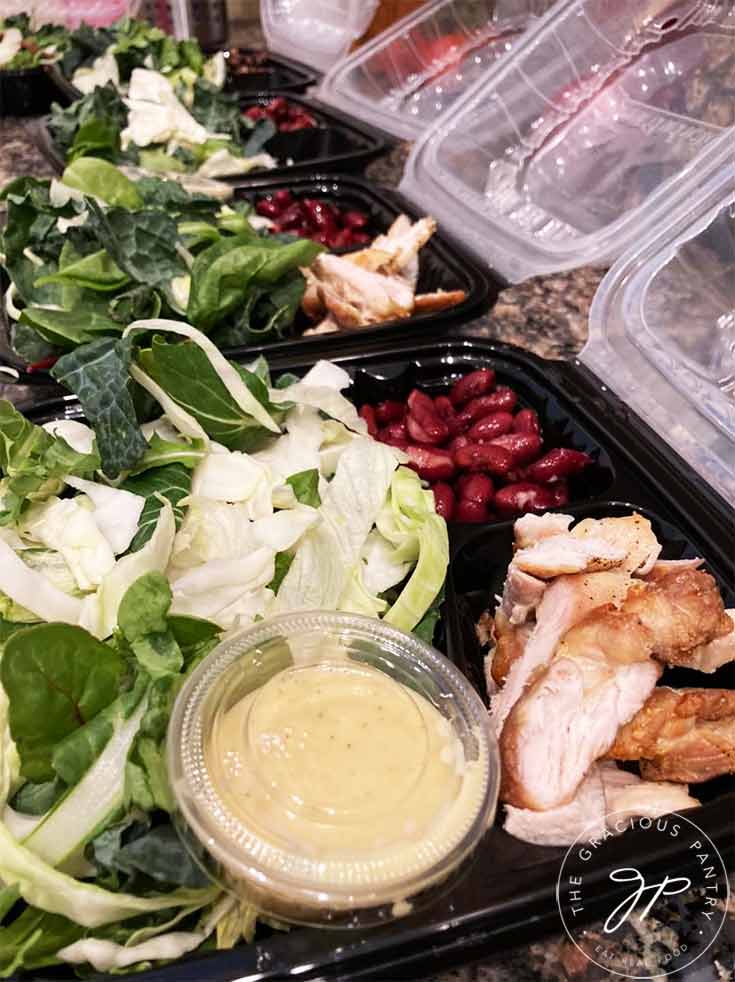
312	303
522	594
559	554
662	567
683	609
627	796
605	798
631	533
393	252
510	643
430	303
327	326
373	296
682	735
561	826
566	601
530	529
710	656
599	678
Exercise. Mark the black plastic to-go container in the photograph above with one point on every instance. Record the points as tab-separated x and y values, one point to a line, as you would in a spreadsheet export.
28	92
278	73
339	142
508	894
443	265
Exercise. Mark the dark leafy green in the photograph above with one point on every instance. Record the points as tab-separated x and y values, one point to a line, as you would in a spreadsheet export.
57	678
172	482
305	485
37	799
283	565
98	374
142	243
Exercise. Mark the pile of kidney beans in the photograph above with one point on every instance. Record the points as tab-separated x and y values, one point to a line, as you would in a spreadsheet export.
482	456
312	218
287	116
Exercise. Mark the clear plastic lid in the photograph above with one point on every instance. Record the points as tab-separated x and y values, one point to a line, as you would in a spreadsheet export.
315	32
584	136
331	768
662	327
404	78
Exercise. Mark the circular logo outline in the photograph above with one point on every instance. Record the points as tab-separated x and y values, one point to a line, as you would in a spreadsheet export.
628	818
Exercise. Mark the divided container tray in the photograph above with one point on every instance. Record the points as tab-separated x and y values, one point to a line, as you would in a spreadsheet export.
508	894
278	73
338	143
26	92
443	265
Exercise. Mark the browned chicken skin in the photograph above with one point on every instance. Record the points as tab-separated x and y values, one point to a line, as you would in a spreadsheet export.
681	735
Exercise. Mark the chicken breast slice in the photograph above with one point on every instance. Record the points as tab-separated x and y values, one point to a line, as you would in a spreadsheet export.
600	677
710	656
510	643
606	797
662	567
681	735
375	297
560	554
522	593
683	609
530	529
565	602
631	533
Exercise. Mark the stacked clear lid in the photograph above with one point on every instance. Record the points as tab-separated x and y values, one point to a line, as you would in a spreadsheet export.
662	327
411	73
587	134
316	32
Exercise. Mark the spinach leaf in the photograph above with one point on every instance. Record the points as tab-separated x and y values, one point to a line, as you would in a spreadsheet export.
90	126
283	565
222	274
98	374
101	179
138	303
187	375
34	462
144	606
96	271
57	678
306	487
426	628
172	482
265	311
142	243
69	328
74	755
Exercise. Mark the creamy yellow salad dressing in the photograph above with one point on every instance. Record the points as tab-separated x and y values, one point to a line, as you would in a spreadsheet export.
337	771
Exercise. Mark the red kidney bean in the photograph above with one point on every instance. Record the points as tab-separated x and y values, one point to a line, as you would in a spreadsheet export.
395	434
526	421
368	414
268	208
468	510
457	442
443	500
484	457
521	497
389	411
444	407
522	446
475	487
470	386
496	424
282	198
354	219
502	400
556	464
431	463
421	408
419	435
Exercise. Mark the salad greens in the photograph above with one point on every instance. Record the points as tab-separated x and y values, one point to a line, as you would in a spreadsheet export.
23	47
164	126
93	252
126	549
95	56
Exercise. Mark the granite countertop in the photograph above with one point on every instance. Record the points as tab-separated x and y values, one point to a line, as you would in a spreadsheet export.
546	315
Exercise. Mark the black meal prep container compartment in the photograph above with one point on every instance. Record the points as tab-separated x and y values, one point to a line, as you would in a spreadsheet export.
338	142
275	72
507	895
443	265
27	92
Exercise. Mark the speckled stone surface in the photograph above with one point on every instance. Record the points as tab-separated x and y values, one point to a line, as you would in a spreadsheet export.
547	315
